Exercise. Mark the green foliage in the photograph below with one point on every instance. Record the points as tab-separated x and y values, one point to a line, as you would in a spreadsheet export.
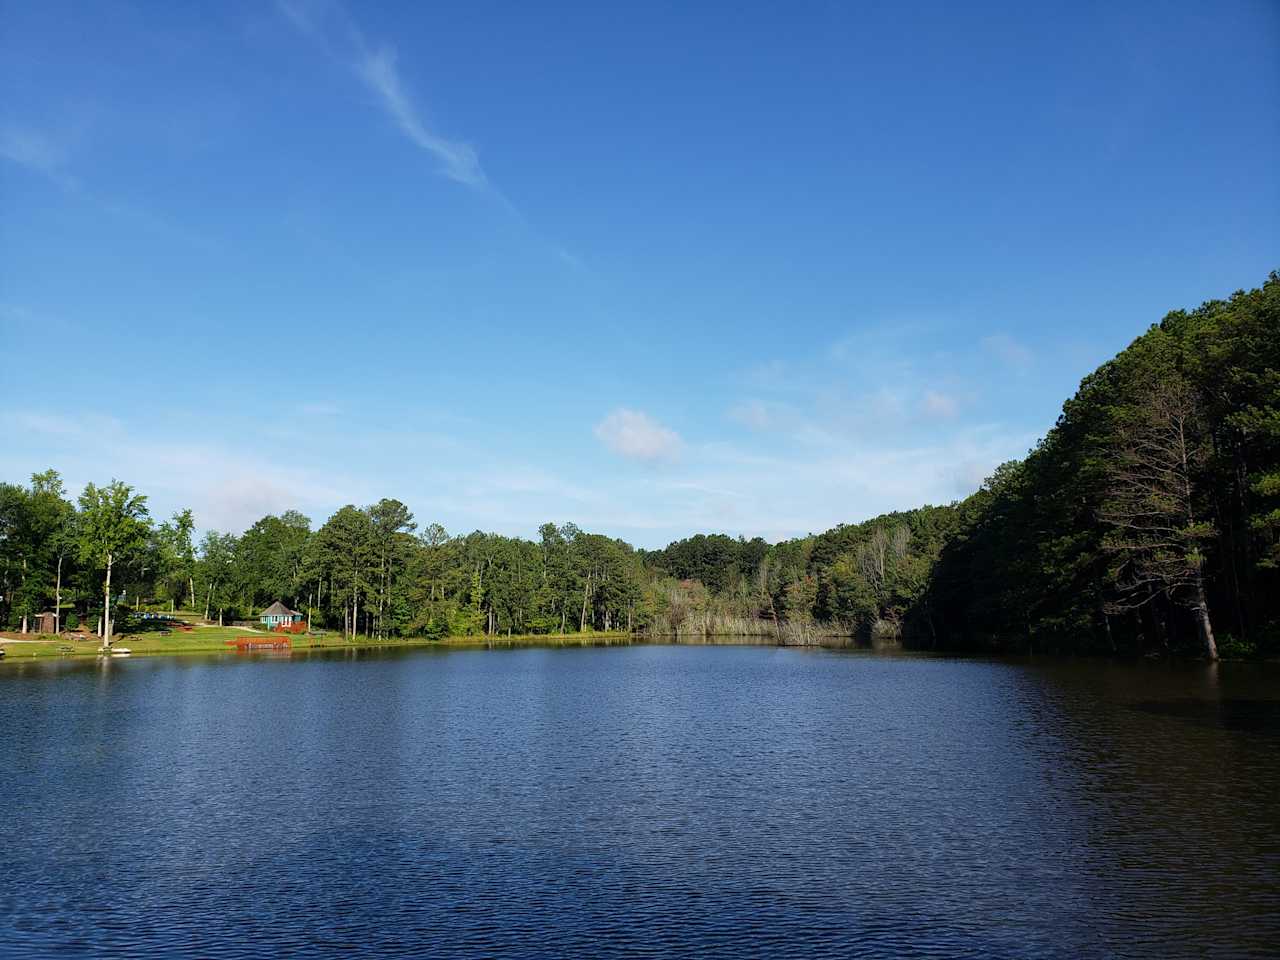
1235	648
1093	544
1073	548
113	524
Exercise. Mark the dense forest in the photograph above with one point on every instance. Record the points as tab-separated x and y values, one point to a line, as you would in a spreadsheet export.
1146	521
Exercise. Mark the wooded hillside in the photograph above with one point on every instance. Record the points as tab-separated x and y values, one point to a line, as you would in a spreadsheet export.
1147	519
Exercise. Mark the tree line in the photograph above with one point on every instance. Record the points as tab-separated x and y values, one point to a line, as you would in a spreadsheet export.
368	571
1146	520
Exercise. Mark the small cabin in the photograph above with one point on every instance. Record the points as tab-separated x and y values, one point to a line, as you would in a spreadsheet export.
278	614
45	622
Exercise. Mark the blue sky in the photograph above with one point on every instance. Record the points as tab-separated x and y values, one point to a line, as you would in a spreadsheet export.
652	268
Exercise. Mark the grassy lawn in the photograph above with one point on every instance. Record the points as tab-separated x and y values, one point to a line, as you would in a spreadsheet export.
201	639
213	639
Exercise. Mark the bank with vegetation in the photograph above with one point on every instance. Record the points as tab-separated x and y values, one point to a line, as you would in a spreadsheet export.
1146	521
136	637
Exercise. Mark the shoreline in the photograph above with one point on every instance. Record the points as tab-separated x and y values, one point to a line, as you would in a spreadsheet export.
42	647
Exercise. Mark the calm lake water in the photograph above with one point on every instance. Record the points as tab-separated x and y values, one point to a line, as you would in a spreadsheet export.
639	801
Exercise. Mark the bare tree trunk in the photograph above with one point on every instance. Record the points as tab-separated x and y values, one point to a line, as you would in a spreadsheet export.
57	600
106	608
385	599
191	582
1201	610
1151	508
208	596
1200	606
582	623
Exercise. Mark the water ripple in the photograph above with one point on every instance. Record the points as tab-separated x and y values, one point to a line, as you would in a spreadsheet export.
639	802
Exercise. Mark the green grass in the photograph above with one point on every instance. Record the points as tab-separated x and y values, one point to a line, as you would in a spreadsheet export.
208	640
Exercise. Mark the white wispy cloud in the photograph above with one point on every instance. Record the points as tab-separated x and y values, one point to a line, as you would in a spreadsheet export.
458	161
637	436
867	424
228	488
30	149
1010	351
52	425
319	408
760	416
723	487
768	490
939	405
328	25
37	152
375	64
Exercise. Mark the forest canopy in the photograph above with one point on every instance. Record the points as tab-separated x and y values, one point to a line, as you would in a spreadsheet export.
1146	520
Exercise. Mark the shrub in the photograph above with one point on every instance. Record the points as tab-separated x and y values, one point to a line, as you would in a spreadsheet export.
885	630
1233	648
1268	640
73	621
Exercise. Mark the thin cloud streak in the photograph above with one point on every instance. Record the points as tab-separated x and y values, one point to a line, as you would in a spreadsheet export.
37	153
458	161
1014	354
376	69
328	26
936	404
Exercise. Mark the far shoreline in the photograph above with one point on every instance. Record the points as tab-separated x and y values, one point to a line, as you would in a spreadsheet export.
42	648
37	647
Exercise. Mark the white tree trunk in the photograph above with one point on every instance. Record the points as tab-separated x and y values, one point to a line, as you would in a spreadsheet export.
57	600
1202	622
106	609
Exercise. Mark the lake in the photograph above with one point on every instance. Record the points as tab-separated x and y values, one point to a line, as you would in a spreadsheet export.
649	800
